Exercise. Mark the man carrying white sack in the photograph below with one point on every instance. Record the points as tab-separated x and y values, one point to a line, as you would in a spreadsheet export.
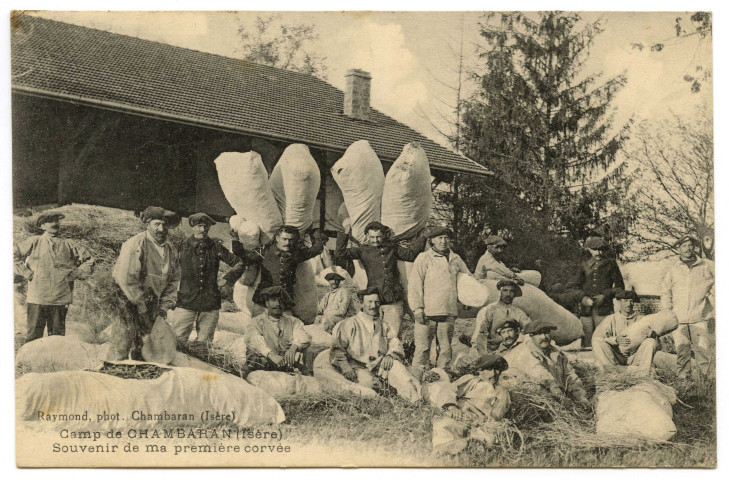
379	257
198	301
433	297
278	260
688	290
607	339
336	304
367	351
491	317
278	338
489	266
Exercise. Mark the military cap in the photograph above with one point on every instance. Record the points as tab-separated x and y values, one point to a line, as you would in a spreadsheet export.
538	326
687	238
503	283
369	291
491	362
198	218
279	292
623	294
595	243
508	323
48	216
438	231
333	276
495	240
158	213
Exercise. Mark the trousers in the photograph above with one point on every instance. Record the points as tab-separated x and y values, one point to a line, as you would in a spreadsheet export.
204	322
392	315
589	322
440	329
688	337
40	316
606	354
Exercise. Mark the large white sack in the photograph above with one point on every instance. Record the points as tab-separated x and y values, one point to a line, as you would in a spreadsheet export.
177	391
281	384
662	322
642	411
57	353
471	292
249	233
538	306
233	343
360	177
334	200
244	181
305	293
243	299
295	184
407	198
183	360
532	277
233	322
319	336
334	382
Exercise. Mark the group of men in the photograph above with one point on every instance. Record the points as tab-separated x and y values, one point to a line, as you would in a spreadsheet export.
155	277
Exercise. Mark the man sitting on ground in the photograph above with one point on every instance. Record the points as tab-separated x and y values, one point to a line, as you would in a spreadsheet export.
511	337
607	339
277	338
336	305
485	337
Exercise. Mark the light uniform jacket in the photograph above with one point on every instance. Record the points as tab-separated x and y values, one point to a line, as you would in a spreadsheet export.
267	334
470	393
432	284
550	370
612	326
689	292
140	268
490	318
364	340
489	267
336	303
49	270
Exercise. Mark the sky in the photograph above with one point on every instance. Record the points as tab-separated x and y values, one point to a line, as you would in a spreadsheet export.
413	59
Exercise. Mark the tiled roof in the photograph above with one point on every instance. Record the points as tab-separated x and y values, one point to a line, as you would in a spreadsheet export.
96	67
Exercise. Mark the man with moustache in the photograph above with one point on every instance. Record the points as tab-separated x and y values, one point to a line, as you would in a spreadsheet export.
491	317
490	266
336	304
148	275
198	301
511	336
50	264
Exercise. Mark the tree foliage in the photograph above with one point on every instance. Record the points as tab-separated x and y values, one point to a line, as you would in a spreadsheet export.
281	45
674	182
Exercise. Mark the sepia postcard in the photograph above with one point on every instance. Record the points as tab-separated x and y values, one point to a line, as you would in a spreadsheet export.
363	239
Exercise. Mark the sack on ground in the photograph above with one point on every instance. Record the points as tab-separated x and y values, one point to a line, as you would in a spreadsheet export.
643	411
243	299
177	391
334	382
295	182
471	292
281	384
662	322
407	197
360	177
58	353
244	181
234	322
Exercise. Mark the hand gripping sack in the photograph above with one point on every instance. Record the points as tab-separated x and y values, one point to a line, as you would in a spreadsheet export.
643	411
662	322
176	391
295	182
360	177
244	182
538	306
407	197
249	233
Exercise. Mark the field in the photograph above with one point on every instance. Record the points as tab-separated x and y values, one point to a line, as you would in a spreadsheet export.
540	431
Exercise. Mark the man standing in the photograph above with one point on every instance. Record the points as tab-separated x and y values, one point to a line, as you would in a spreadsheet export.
607	339
433	297
49	264
540	361
599	279
688	290
148	274
379	257
198	301
492	317
277	337
278	260
489	266
336	304
367	351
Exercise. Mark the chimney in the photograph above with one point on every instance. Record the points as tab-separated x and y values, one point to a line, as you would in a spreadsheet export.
357	94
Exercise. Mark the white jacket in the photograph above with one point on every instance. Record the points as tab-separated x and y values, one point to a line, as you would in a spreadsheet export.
432	283
689	292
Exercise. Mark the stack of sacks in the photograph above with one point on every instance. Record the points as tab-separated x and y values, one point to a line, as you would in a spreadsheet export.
643	411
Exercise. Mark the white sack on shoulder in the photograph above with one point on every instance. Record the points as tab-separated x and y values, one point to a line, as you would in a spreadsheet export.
295	182
662	322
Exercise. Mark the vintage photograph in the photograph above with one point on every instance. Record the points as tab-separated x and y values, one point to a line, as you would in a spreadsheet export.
363	239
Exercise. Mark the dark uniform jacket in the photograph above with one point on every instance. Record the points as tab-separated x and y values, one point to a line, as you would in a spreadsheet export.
199	263
380	264
278	267
600	276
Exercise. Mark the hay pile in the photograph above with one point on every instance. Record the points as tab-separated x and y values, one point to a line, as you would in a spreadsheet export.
215	356
132	371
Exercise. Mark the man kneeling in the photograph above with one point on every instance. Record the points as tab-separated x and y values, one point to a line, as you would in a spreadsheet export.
367	351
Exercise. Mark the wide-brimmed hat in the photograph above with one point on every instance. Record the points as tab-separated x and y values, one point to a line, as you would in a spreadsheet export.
48	216
503	283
